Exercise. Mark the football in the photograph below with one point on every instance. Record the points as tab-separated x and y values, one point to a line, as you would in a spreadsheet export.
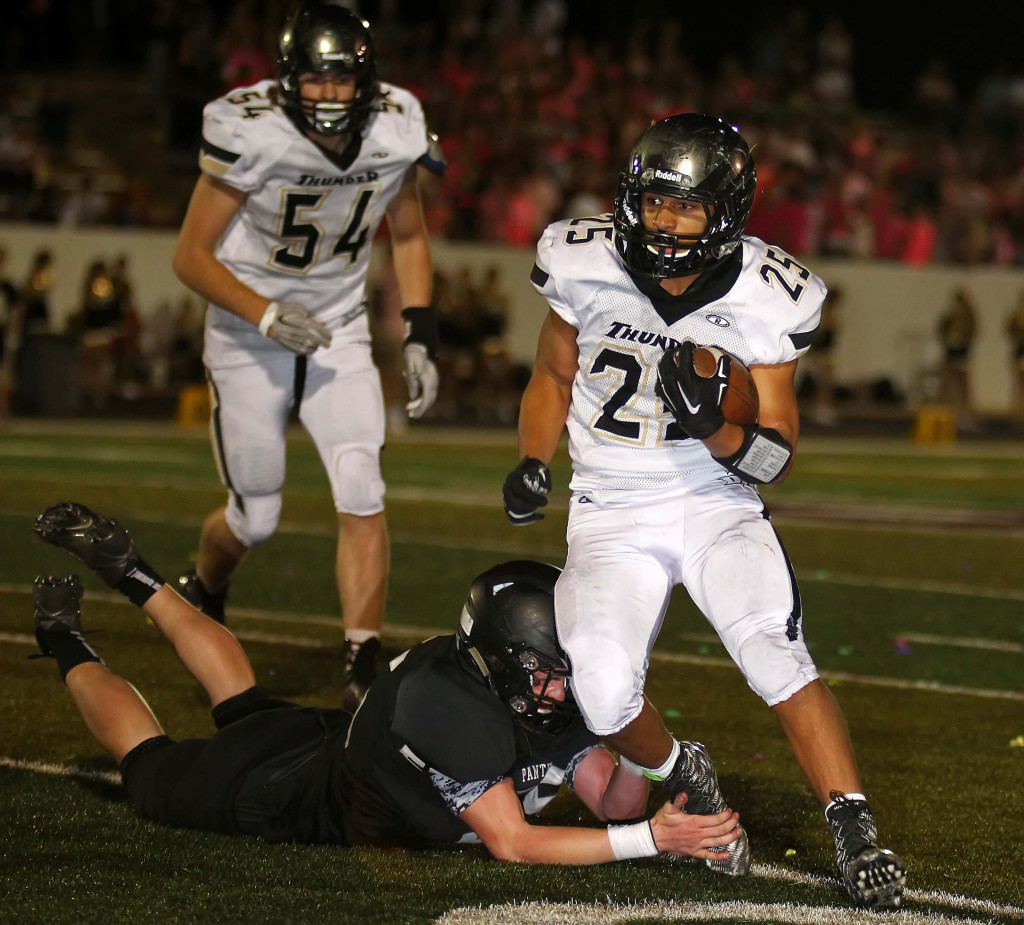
740	403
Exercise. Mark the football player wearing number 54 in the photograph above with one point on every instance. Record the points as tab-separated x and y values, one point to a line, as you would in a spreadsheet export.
664	487
297	174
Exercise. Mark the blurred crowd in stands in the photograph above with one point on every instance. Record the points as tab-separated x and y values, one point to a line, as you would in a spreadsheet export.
535	120
107	350
100	117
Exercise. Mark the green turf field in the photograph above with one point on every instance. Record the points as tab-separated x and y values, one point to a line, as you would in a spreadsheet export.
911	563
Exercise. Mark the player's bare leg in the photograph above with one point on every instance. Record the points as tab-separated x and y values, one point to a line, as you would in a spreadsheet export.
363	565
113	710
207	650
220	553
816	729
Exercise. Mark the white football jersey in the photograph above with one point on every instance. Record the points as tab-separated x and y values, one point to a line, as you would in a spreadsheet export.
305	231
761	306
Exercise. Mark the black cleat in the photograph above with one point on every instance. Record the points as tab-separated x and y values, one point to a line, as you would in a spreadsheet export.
360	670
194	591
58	607
99	542
874	877
694	774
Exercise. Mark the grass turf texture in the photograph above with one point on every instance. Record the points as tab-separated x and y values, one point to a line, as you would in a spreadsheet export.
942	775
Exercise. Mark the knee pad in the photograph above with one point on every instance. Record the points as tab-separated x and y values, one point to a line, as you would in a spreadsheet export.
255	469
356	483
253	518
775	666
607	688
749	595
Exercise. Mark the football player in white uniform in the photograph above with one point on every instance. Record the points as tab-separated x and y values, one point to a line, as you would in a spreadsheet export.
297	175
664	490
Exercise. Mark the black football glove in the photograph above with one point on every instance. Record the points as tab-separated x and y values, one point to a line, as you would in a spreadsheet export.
695	402
525	490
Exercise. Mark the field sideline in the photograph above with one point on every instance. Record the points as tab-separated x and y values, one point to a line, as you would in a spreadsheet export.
909	563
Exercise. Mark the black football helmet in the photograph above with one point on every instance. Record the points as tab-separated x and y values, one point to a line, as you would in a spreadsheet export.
322	37
508	630
693	157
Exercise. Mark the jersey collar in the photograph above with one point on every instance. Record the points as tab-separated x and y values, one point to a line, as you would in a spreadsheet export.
707	288
341	159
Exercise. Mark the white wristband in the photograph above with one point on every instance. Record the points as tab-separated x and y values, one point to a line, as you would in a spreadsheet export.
632	841
630	766
269	317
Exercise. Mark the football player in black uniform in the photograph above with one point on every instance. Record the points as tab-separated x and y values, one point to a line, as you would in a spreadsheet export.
464	736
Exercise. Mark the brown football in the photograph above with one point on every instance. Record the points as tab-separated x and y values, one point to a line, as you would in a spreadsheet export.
740	403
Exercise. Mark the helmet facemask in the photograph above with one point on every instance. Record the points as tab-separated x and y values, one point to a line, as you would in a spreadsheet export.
322	39
507	631
536	710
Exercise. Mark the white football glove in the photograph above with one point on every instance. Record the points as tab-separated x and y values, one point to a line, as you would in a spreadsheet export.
420	377
293	326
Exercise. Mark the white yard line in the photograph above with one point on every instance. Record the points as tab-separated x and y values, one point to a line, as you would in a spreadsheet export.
796	509
916	585
414	633
538	913
548	914
61	770
772	872
430	435
962	642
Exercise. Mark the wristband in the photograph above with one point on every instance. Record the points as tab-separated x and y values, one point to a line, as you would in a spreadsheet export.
630	767
421	328
632	841
269	317
761	458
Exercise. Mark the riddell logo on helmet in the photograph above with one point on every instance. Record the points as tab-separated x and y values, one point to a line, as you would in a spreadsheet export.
672	176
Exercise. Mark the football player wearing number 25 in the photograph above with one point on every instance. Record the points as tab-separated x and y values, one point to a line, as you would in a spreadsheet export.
664	489
297	174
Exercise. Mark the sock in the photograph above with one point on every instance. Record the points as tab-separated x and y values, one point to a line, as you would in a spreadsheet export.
68	647
848	796
209	589
660	773
140	583
357	637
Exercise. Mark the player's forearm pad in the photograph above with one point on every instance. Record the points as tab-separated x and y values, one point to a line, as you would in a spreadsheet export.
421	328
632	841
762	457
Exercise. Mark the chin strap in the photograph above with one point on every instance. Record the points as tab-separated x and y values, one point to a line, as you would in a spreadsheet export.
478	659
762	457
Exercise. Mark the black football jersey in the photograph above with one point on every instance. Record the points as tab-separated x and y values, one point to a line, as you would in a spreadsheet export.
429	739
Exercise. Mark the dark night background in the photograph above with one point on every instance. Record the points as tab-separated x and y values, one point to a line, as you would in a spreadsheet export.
893	42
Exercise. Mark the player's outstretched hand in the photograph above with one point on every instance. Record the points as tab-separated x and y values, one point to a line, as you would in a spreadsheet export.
678	833
100	542
420	378
526	489
293	326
